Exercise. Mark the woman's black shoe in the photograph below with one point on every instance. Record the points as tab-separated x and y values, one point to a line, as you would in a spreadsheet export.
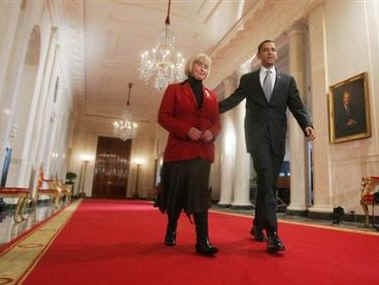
203	245
170	239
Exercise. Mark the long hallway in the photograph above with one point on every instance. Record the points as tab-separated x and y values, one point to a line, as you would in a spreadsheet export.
83	146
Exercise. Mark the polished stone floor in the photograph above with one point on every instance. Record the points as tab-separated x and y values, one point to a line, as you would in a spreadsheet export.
9	229
322	222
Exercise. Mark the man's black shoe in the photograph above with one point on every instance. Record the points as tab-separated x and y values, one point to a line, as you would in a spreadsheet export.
274	244
205	248
258	235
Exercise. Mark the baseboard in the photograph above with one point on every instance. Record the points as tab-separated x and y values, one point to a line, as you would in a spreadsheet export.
299	213
224	206
241	207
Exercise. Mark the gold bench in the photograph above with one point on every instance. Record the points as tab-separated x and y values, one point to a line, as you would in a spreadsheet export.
22	195
52	191
368	184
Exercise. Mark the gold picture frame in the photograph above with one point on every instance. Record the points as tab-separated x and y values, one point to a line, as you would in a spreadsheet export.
349	109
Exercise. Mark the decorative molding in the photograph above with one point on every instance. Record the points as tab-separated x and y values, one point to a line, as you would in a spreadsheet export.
74	45
236	28
265	20
213	11
16	4
33	53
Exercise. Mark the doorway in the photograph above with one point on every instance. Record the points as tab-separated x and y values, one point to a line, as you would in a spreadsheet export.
112	167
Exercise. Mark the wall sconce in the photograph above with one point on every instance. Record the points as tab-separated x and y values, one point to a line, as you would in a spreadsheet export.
86	157
139	161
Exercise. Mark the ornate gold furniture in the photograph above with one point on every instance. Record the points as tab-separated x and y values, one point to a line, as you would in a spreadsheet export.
368	185
53	192
22	195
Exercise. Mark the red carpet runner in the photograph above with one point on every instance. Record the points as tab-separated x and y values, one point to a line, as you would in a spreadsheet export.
118	242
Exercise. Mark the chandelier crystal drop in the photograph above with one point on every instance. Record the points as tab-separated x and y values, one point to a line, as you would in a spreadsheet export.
162	65
126	129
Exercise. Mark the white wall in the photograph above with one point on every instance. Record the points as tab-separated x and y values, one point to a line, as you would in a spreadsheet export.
351	46
28	93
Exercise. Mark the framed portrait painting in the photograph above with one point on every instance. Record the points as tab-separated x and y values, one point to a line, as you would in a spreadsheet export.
349	116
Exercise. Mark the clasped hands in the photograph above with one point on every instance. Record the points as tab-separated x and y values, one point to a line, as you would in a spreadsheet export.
195	135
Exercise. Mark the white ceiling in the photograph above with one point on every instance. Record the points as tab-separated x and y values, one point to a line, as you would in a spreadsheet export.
116	32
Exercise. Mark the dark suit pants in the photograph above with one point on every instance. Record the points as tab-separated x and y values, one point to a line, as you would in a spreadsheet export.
267	165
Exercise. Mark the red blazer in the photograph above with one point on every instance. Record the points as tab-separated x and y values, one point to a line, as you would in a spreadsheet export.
178	113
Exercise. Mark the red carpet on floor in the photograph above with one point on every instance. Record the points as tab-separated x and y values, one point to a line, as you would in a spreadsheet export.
120	242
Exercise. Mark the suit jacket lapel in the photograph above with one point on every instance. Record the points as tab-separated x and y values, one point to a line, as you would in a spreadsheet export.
276	84
188	91
258	82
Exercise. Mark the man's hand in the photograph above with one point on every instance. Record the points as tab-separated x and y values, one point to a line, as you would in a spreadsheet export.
194	134
207	136
310	133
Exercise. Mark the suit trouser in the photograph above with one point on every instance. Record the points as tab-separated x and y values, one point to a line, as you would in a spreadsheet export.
267	165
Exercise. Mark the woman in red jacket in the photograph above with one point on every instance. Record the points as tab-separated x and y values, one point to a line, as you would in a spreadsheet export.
189	112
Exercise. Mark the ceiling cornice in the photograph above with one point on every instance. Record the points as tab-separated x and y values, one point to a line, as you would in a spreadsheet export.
74	43
265	20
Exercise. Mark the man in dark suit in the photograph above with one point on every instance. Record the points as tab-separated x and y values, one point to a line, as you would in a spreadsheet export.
268	93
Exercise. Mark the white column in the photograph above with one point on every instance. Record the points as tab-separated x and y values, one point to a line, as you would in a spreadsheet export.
322	187
297	64
228	142
241	185
37	115
11	87
9	13
48	117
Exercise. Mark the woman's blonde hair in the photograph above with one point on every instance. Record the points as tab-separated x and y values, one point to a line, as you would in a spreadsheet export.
201	58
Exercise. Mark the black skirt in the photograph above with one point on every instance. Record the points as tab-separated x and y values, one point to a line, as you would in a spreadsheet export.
184	185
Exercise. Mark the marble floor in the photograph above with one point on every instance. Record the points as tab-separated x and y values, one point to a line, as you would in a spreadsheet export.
321	222
10	230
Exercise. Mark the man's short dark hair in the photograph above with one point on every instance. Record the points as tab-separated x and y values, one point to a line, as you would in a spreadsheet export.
262	43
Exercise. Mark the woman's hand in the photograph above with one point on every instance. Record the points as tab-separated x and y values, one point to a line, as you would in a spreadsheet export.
194	134
207	136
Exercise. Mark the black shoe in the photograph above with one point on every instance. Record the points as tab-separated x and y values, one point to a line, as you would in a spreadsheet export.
258	235
205	248
203	245
170	238
274	244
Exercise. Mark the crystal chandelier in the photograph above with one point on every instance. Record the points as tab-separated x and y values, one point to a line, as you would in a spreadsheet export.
162	65
125	129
